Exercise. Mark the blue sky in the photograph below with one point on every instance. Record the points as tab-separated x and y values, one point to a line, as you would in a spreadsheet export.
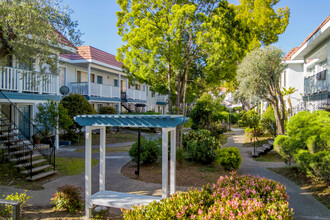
97	20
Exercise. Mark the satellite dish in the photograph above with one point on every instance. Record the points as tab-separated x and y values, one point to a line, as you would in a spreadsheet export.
64	90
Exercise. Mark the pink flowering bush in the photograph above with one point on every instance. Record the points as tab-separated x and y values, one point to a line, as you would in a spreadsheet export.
232	197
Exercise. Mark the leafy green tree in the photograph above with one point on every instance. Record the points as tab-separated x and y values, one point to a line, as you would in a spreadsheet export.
31	29
268	121
47	116
76	105
259	75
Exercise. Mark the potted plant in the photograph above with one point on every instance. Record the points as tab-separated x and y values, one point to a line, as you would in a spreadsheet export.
36	138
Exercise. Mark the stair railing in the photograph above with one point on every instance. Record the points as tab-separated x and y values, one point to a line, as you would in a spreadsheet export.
50	156
20	145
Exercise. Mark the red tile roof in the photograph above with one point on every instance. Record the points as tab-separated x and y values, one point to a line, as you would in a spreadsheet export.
316	30
291	52
89	52
63	40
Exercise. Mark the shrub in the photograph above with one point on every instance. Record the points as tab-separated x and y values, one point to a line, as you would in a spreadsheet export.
68	198
149	152
239	109
251	132
268	122
229	158
221	116
201	114
232	197
200	146
76	105
216	128
250	119
7	210
234	117
108	110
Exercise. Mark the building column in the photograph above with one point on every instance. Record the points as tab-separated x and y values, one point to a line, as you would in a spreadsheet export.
119	86
88	171
89	79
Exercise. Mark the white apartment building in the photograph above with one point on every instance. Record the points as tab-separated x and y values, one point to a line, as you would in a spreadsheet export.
307	70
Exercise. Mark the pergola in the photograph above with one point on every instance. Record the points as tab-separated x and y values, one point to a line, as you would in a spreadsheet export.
106	198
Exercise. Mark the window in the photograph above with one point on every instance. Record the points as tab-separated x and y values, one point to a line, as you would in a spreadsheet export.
93	78
115	82
82	76
62	76
100	79
137	87
153	94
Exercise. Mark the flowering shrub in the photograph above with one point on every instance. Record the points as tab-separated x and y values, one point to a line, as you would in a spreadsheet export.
232	197
68	198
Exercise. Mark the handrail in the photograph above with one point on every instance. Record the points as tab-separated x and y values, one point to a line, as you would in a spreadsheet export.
51	143
24	144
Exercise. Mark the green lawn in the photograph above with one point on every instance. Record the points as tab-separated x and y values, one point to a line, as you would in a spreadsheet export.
108	149
67	166
271	156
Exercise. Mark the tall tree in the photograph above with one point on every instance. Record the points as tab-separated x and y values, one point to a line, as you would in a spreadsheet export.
32	29
259	75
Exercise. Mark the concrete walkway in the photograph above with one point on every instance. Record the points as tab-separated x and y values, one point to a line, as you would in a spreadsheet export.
304	205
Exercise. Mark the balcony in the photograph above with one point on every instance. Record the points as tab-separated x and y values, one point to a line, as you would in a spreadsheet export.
97	90
18	80
316	83
161	99
133	94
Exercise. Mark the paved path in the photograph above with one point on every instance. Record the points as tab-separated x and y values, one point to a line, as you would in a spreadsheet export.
304	205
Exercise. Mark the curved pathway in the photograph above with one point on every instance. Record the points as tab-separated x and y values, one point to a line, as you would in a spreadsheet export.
304	205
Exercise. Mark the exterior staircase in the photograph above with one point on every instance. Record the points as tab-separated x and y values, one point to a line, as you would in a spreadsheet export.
127	107
33	160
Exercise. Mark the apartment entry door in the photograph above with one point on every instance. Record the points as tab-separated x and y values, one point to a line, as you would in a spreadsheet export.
23	120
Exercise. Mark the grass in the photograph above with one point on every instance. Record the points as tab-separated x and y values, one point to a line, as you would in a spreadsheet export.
119	137
108	149
271	156
319	188
67	166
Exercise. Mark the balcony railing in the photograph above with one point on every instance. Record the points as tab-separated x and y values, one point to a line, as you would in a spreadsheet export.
136	94
99	90
162	98
315	84
18	80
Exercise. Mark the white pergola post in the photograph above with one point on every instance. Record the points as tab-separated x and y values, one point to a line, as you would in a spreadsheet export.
173	162
164	163
102	157
88	171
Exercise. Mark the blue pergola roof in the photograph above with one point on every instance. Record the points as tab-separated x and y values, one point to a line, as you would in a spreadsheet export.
155	121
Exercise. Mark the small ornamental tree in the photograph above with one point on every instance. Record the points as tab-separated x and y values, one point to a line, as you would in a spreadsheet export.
76	105
268	121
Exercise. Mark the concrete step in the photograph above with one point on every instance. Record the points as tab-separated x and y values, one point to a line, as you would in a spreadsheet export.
41	175
37	169
34	162
23	151
25	157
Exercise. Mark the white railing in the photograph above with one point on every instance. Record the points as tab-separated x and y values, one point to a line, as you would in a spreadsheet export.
18	80
99	90
161	98
136	94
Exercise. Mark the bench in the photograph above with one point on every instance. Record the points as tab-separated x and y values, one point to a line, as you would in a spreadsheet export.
16	207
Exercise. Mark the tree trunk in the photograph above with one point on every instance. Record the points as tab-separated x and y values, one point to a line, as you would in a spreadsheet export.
282	115
169	88
278	118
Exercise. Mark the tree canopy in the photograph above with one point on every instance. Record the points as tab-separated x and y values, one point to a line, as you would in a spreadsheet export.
259	75
32	30
181	45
